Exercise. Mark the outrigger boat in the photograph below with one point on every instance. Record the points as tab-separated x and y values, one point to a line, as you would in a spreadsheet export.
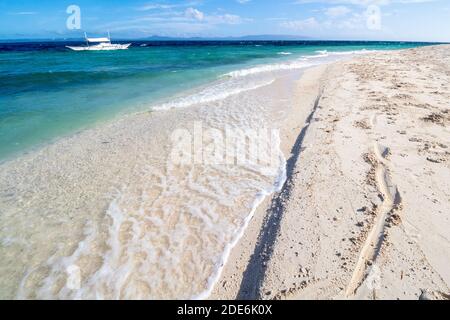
97	44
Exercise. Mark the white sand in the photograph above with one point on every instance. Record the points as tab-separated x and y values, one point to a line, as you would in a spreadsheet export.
366	211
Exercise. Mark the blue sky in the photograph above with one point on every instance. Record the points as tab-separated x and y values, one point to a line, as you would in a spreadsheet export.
422	20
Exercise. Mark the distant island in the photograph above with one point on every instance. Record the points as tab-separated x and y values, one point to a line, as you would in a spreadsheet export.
262	37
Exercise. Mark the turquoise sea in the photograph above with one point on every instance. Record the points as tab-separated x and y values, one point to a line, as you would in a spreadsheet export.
48	91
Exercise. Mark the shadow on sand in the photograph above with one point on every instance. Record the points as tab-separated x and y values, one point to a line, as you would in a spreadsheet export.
253	277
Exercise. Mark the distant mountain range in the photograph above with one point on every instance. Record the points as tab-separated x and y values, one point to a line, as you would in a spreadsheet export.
263	37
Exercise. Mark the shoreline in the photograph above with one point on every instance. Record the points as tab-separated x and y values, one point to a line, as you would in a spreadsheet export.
178	96
308	91
290	265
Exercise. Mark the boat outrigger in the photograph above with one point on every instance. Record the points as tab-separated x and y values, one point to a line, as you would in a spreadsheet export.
97	44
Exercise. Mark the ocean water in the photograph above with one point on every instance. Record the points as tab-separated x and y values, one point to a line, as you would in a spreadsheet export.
108	212
48	91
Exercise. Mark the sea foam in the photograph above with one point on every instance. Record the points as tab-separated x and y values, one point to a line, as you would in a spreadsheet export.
298	63
219	91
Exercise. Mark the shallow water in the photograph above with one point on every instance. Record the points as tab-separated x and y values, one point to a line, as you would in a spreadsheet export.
47	91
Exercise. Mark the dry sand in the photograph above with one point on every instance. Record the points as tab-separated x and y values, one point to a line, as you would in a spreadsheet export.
365	212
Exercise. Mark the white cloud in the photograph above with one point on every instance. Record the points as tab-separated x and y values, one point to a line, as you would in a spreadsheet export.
225	19
345	15
195	14
24	13
300	25
166	6
350	21
168	20
363	2
338	11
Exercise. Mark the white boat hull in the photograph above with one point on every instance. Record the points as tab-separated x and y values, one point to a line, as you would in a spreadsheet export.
101	47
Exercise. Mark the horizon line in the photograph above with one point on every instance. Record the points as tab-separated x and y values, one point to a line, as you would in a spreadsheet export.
224	38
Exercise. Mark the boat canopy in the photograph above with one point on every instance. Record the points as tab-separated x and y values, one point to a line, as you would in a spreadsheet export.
98	39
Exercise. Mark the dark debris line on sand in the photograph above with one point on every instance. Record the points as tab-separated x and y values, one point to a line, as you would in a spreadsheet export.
254	274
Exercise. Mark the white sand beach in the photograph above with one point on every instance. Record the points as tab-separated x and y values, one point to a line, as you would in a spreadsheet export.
365	212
